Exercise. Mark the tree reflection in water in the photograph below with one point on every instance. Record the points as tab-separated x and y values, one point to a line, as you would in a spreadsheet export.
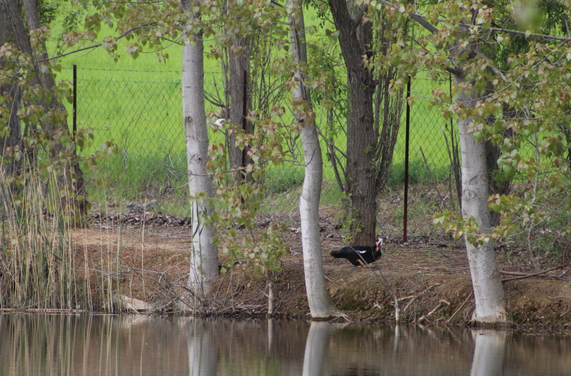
316	346
88	345
489	352
202	354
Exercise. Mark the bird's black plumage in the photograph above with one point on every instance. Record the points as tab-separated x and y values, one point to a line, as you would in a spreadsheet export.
360	255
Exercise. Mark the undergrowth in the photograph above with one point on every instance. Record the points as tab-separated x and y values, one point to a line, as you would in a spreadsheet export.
39	266
128	179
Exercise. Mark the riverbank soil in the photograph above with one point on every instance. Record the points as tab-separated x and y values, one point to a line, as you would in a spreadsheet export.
146	254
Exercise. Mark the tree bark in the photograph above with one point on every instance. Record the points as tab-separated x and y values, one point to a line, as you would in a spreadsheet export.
498	185
239	62
388	107
488	290
32	17
12	93
362	136
320	303
204	257
20	34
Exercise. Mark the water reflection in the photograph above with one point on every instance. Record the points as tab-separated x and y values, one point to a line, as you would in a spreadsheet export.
316	347
139	345
202	354
488	352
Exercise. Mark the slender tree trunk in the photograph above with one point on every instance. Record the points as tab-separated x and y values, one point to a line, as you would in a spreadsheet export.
13	140
6	34
488	290
354	38
204	258
388	111
20	34
11	92
33	18
320	303
239	62
72	175
497	184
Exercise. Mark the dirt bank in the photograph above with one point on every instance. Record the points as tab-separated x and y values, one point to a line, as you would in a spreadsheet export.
429	277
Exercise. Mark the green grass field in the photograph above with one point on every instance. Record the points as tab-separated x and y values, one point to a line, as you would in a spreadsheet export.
137	104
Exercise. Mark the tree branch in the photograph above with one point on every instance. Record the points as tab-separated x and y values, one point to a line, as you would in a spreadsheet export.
431	28
95	45
538	274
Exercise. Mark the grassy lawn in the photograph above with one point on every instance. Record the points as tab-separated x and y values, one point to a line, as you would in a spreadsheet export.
137	104
144	118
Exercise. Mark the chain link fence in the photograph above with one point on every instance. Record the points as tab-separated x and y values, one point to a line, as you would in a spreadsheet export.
144	119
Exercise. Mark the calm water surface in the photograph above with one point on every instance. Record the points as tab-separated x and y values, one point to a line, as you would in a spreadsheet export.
139	345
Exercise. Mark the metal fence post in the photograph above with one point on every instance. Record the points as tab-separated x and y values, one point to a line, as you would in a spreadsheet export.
406	152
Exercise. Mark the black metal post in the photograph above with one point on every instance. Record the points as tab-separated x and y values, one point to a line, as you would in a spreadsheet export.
406	152
455	159
74	131
245	121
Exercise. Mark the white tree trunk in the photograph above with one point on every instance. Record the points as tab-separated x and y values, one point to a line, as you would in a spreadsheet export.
204	258
488	290
320	303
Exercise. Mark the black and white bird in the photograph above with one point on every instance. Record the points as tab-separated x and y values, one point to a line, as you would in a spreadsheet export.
360	255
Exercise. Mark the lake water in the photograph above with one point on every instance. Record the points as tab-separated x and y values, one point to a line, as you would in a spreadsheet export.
34	344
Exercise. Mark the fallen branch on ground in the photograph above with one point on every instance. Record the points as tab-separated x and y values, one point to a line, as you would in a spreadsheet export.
537	275
459	308
419	295
442	303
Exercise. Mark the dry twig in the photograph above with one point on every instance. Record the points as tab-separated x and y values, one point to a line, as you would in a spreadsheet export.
537	275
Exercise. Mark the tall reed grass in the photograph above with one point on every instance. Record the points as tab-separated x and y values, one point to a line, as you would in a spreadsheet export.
39	265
